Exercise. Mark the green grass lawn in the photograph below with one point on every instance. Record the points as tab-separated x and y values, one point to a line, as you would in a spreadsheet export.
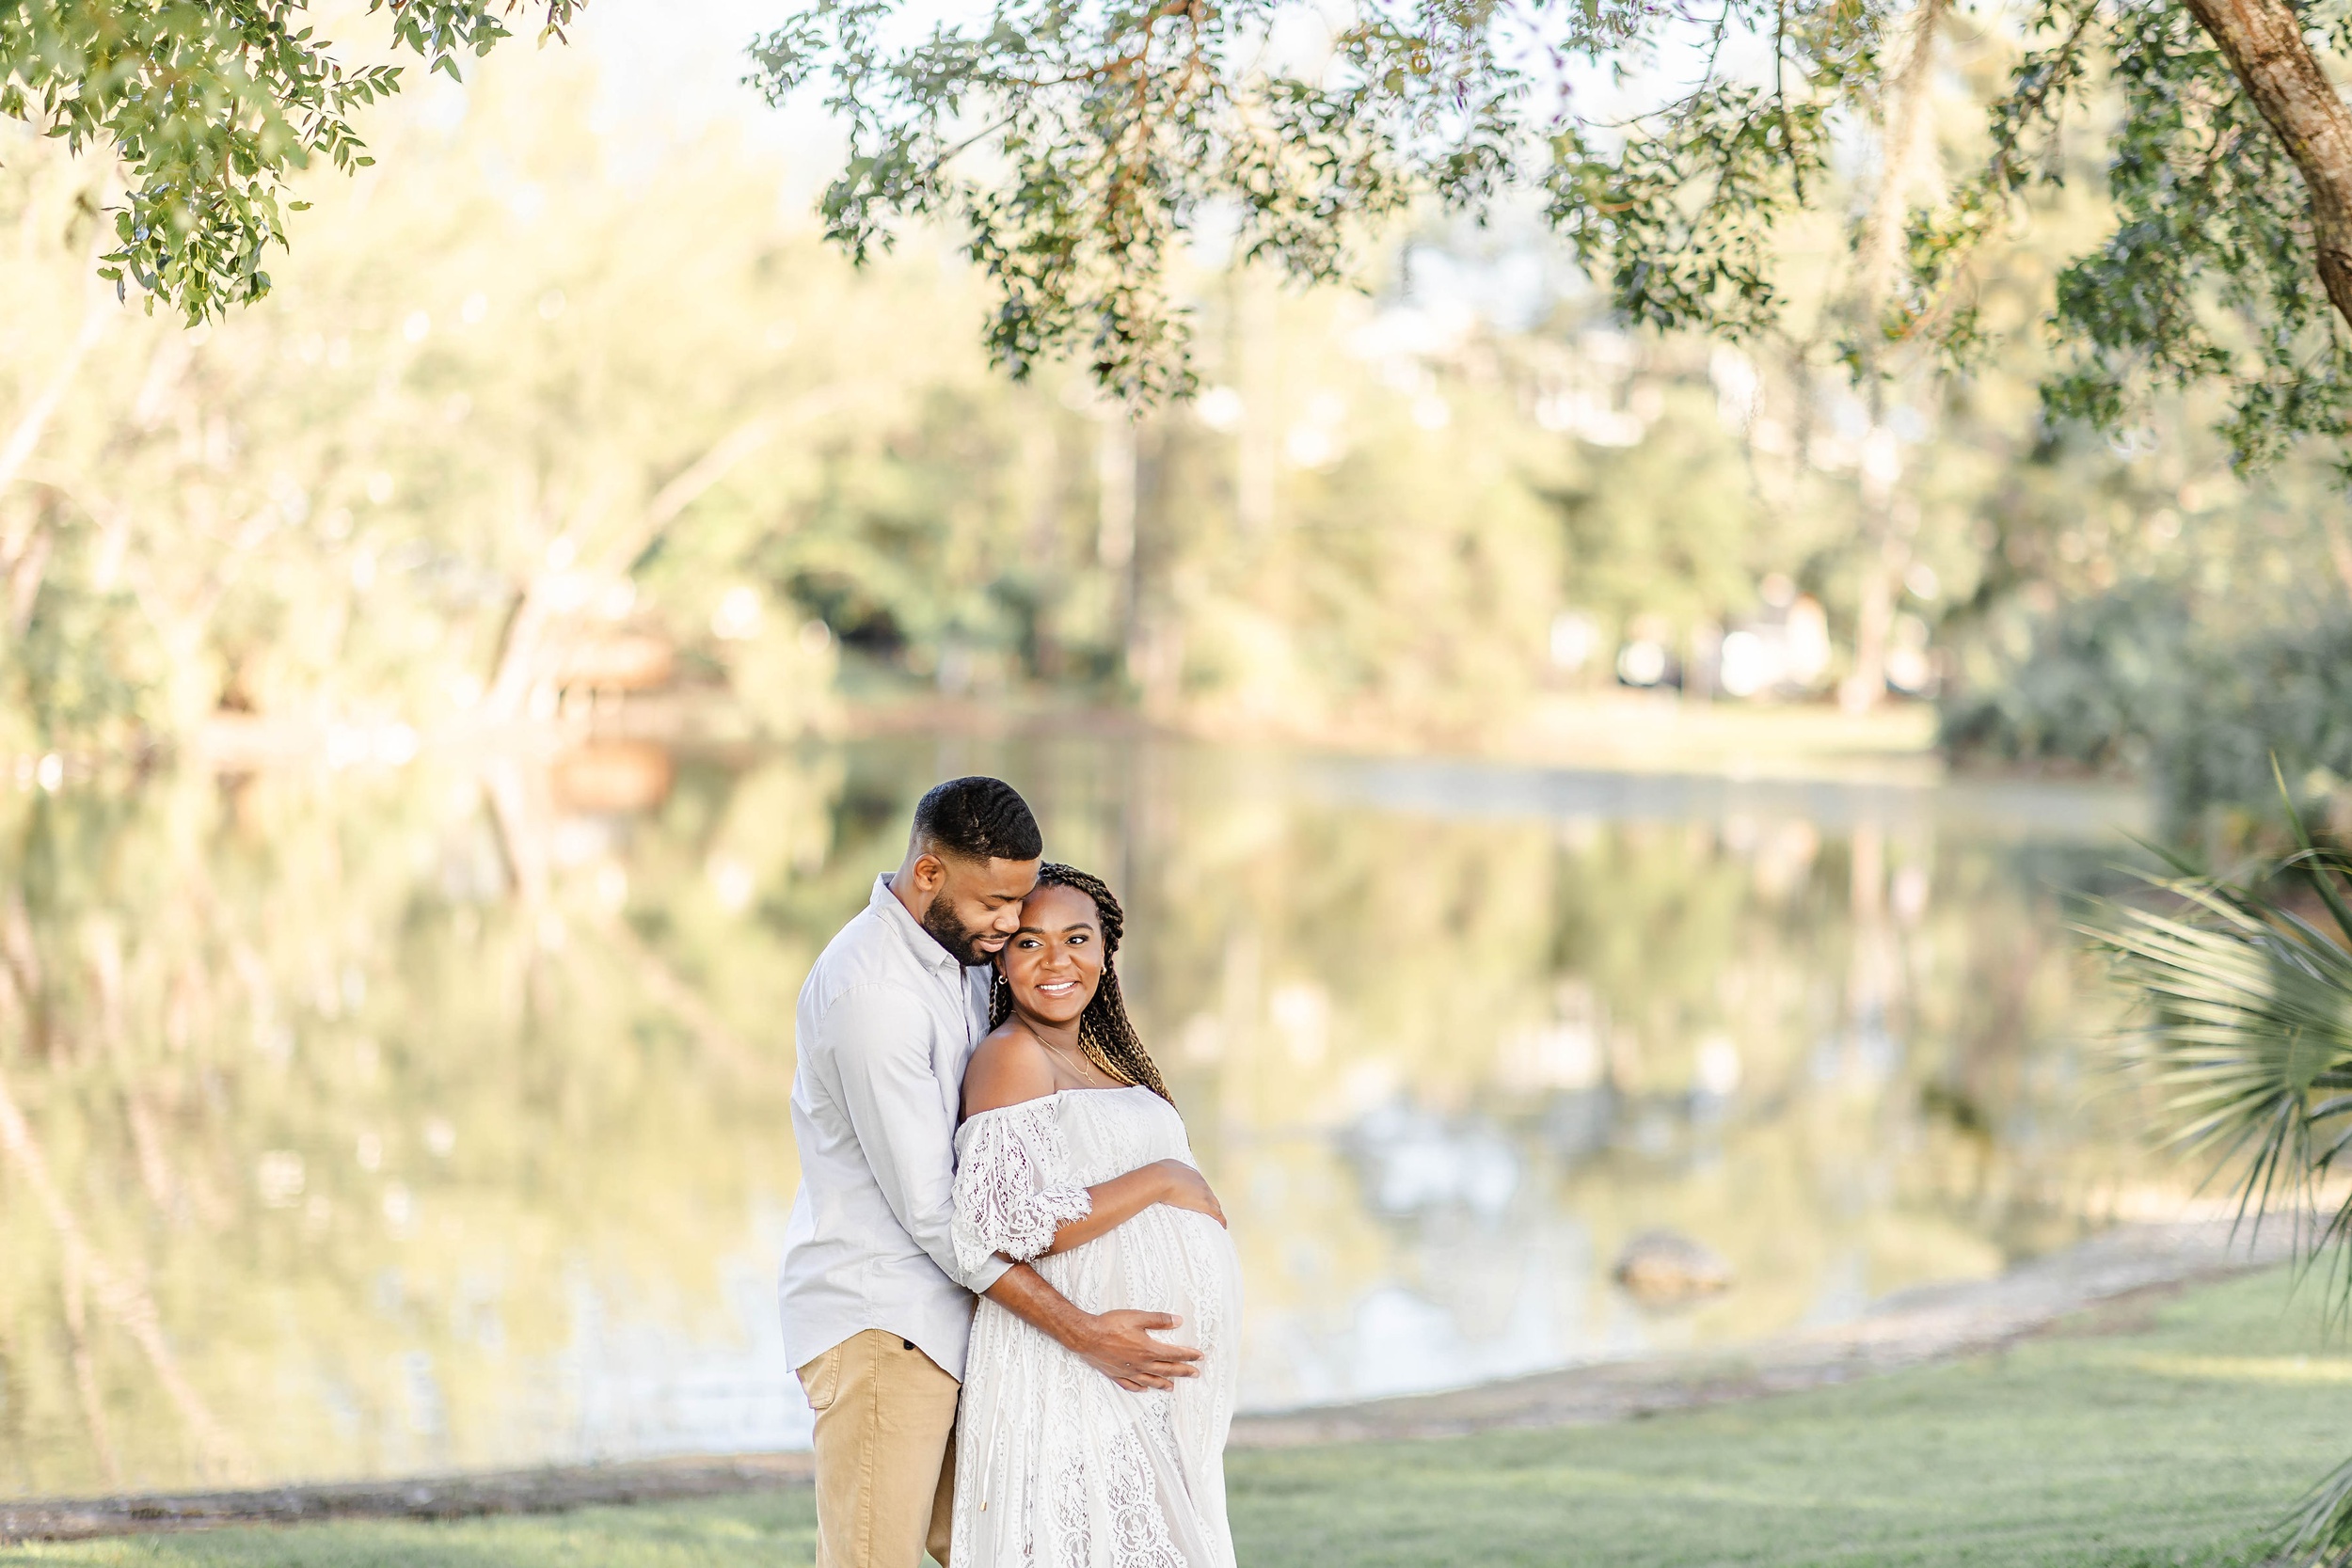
2156	1436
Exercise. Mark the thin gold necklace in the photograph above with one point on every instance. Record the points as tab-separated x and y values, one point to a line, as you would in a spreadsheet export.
1084	1066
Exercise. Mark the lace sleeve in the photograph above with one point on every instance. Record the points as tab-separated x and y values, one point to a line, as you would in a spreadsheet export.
1014	1188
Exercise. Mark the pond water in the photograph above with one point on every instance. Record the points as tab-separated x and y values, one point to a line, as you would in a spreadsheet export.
384	1122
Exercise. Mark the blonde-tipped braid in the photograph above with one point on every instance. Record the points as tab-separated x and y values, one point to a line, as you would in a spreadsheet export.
1104	1033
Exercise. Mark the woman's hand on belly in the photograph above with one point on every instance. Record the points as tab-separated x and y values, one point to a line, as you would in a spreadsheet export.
1189	1189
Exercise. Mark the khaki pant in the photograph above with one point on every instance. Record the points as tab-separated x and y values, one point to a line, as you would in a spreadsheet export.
885	1452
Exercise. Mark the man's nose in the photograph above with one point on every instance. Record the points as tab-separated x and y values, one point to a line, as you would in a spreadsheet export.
1007	919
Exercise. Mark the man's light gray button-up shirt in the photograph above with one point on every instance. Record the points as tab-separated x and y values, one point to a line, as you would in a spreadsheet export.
886	1021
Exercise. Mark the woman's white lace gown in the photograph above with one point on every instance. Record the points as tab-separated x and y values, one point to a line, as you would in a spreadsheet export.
1055	1464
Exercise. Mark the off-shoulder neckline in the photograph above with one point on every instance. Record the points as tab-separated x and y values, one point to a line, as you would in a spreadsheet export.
1049	1098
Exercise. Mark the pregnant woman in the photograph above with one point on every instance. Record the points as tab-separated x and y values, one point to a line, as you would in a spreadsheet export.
1073	1158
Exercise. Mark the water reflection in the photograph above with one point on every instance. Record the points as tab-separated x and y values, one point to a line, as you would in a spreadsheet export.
371	1123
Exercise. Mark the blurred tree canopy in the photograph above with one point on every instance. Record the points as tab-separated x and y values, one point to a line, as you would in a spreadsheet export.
522	425
1080	148
210	108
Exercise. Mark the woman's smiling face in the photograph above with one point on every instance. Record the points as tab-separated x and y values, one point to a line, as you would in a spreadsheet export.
1054	961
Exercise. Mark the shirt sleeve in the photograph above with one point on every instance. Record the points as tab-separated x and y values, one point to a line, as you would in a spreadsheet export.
879	1042
1013	1187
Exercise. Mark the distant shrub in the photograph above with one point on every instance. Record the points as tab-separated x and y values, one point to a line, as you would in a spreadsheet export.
2287	694
2136	681
2091	687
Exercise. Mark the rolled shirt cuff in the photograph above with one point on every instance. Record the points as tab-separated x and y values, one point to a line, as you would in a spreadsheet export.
979	1281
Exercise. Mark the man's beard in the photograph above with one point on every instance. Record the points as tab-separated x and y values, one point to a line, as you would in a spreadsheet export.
954	935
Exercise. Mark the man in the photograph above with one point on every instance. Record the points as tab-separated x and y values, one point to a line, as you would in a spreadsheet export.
876	1312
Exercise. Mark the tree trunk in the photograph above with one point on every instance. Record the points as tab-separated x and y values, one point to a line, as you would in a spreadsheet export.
98	310
510	684
2265	43
1907	161
1907	134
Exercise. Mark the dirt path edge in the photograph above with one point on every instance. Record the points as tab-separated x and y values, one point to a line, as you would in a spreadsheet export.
1935	1323
548	1490
1931	1323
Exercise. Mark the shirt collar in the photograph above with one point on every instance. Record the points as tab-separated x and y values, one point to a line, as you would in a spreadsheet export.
920	943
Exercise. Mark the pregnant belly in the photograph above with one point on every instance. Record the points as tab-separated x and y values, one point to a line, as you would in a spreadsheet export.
1163	1260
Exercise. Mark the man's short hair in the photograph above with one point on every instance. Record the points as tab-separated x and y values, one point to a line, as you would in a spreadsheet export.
980	818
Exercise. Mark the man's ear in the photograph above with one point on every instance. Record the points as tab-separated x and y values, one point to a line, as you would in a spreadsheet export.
929	871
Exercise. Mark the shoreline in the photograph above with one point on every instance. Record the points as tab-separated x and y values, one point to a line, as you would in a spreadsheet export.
1924	1325
1607	731
2104	1276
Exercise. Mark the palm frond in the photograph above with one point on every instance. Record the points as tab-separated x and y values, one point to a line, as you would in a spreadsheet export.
2318	1533
2320	867
2245	1034
2246	1040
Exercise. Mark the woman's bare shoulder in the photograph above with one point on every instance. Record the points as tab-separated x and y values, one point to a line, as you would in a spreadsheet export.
1009	1066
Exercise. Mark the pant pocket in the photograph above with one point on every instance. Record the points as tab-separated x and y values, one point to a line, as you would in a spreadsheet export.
820	1380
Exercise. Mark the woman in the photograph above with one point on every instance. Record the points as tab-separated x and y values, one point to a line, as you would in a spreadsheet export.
1073	1158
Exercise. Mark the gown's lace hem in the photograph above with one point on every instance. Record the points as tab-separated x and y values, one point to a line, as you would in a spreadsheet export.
1014	1189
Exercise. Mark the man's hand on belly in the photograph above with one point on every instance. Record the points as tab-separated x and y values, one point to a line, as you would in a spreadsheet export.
1120	1345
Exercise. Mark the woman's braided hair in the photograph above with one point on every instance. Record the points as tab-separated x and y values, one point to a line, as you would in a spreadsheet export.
1105	1034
